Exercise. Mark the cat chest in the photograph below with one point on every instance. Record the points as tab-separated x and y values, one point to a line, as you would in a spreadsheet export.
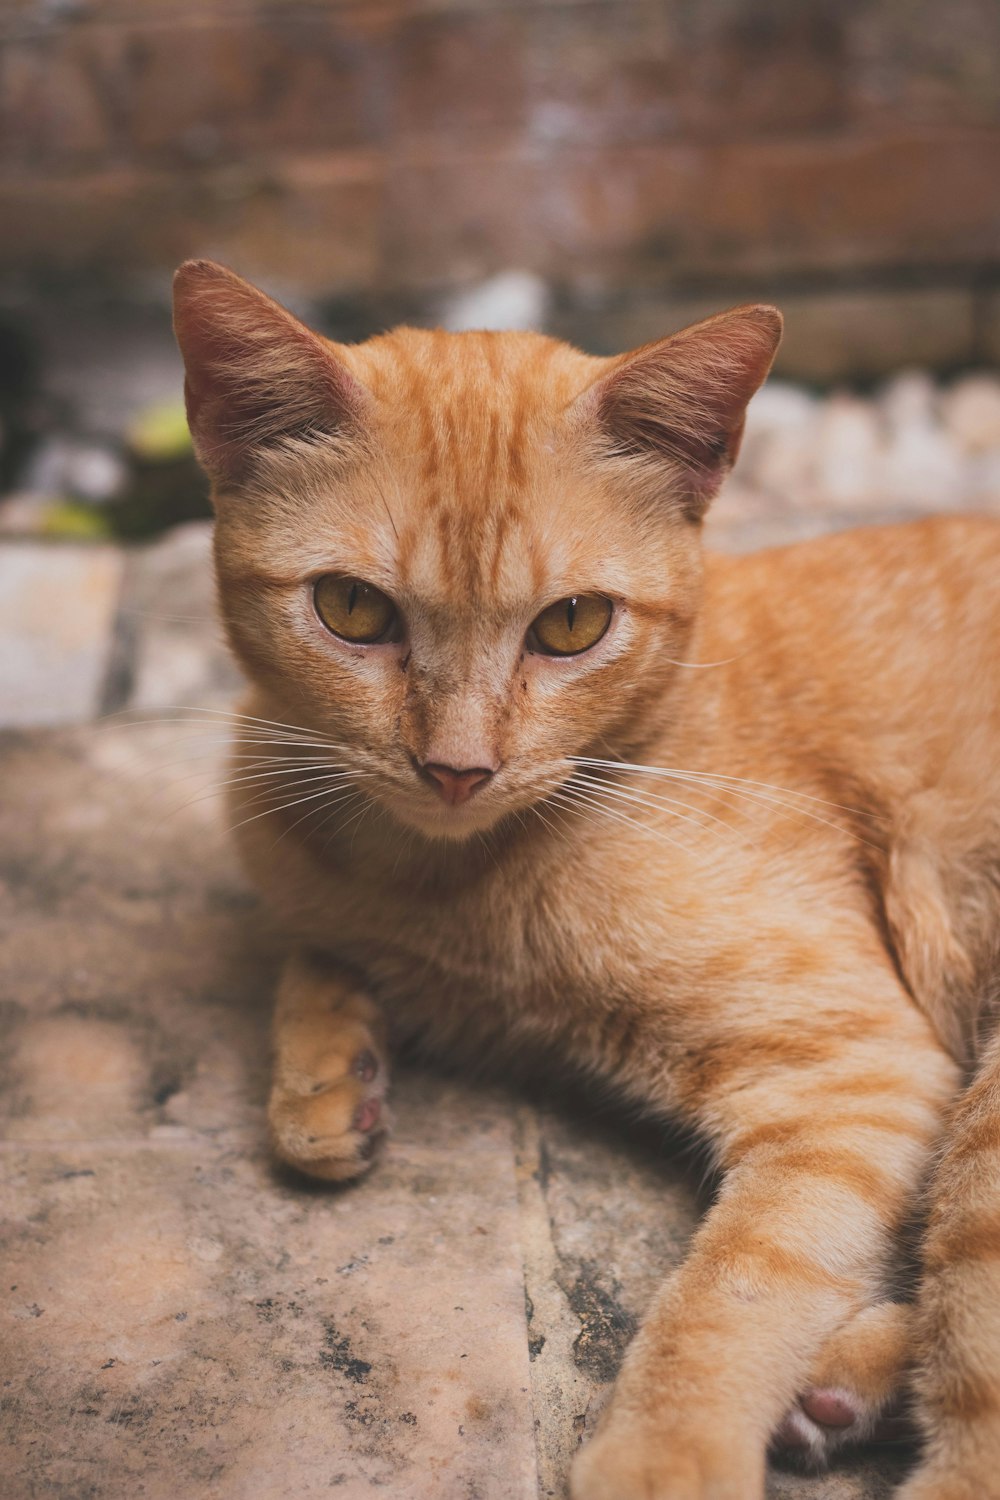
468	975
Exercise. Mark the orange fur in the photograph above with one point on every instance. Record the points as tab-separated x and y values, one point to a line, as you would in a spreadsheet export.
786	932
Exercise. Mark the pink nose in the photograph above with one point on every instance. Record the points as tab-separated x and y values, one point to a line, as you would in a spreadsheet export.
456	786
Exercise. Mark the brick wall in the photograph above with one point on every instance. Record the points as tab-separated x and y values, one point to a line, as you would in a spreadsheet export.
648	159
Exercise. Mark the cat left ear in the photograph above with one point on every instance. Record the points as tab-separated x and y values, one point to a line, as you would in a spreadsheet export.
254	375
680	404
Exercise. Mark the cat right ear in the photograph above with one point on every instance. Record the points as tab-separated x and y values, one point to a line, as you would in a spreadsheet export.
254	375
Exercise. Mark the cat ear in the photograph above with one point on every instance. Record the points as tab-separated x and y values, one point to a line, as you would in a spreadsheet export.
679	404
254	374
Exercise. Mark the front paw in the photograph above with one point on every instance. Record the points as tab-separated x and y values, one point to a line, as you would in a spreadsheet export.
330	1121
638	1462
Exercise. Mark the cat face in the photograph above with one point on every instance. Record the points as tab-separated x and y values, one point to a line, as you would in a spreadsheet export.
463	557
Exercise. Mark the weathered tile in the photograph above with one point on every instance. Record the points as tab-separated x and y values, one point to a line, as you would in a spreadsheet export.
607	1212
180	1321
178	653
604	1218
137	980
184	1319
57	608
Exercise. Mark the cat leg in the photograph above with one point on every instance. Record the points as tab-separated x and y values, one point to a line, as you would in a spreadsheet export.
957	1326
327	1106
855	1389
823	1154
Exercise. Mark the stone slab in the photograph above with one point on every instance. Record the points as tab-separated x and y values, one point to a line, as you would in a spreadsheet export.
177	1321
172	628
180	1318
57	610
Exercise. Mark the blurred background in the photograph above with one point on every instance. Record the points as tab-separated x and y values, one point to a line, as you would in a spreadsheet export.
607	170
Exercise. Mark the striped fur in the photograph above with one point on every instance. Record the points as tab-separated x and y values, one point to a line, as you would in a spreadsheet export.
792	946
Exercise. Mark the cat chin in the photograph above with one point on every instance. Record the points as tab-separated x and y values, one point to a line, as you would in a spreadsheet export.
451	825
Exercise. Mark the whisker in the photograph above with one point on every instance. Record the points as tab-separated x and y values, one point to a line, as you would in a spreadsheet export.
762	799
282	807
758	793
484	841
268	794
571	796
206	736
404	849
718	776
302	773
213	731
249	768
343	794
365	807
333	834
256	793
655	801
727	661
227	714
278	766
558	832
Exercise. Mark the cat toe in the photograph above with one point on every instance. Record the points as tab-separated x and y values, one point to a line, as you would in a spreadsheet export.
331	1126
819	1423
826	1419
836	1409
855	1394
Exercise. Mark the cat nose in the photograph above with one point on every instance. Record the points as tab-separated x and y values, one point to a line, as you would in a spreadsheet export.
454	785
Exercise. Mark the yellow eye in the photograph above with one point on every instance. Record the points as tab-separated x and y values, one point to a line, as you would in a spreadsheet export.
354	610
571	625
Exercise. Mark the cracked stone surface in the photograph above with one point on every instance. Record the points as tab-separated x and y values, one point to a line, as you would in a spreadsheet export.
177	1317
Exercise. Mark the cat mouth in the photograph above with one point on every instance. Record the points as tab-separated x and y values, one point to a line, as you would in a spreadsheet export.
499	796
451	817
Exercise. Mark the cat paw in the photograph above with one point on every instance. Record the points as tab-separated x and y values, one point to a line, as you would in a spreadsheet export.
330	1122
855	1394
620	1463
827	1418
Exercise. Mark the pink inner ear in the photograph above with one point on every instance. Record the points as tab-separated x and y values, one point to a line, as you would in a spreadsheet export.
254	374
683	401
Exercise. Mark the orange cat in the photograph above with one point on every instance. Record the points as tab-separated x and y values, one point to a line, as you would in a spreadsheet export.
492	796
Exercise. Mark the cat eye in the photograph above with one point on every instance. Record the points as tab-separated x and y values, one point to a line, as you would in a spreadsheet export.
570	625
355	610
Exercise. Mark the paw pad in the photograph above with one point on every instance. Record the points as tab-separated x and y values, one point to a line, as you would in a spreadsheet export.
829	1409
366	1116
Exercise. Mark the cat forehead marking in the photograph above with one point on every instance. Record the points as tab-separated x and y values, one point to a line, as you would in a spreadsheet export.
465	414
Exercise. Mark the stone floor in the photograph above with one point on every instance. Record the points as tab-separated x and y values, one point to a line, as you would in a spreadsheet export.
179	1319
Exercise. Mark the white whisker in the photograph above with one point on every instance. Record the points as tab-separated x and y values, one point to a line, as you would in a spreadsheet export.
575	796
282	807
269	794
654	801
727	661
227	715
757	793
343	794
558	832
267	765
